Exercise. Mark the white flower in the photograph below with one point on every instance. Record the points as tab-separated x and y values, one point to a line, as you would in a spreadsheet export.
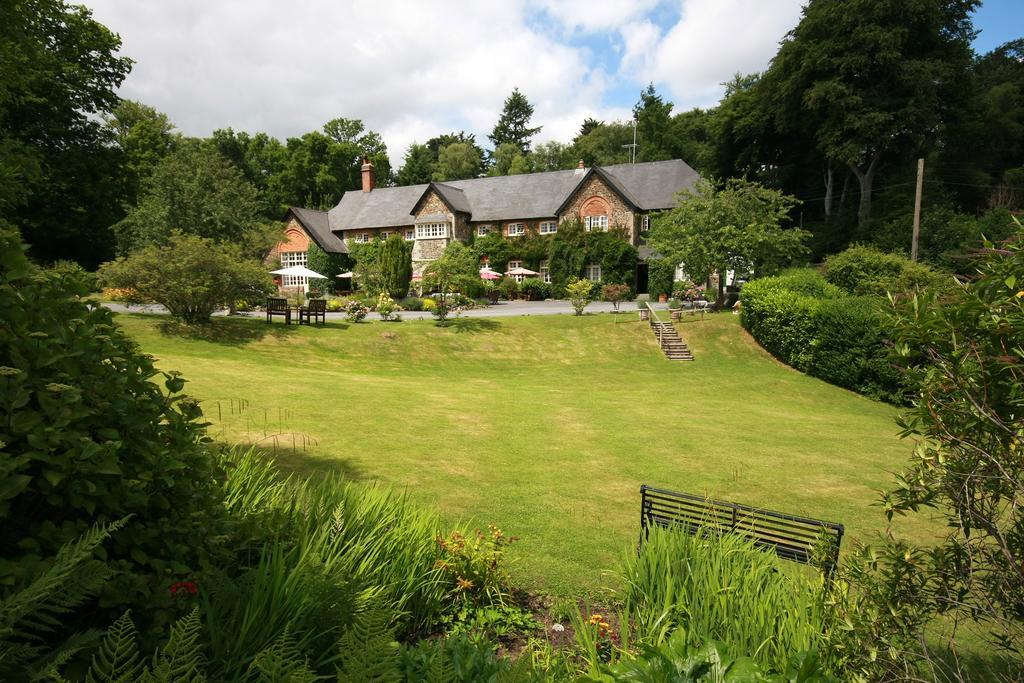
557	628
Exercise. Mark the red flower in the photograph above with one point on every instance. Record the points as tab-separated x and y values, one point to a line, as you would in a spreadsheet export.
189	587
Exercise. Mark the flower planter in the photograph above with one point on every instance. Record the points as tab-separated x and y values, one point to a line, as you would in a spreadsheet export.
645	314
662	298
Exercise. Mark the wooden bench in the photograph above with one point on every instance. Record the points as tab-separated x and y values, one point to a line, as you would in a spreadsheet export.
280	307
800	539
314	311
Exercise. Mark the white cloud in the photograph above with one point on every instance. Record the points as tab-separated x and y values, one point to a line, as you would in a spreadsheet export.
713	40
408	70
595	15
414	69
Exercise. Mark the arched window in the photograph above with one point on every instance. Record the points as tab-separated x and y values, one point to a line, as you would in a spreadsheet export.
595	213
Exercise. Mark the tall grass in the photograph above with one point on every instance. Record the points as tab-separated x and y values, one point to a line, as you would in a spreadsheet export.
316	554
720	587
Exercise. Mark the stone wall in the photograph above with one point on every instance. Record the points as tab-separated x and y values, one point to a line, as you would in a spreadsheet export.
595	195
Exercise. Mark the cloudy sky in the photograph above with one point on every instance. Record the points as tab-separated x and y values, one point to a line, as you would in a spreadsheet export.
413	69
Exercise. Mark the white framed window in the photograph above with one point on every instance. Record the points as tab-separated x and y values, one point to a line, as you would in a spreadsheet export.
410	234
384	234
516	264
596	223
482	230
548	228
426	231
289	259
362	238
645	222
594	272
545	274
516	229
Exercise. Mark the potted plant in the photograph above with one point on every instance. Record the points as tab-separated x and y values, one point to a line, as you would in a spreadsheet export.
645	312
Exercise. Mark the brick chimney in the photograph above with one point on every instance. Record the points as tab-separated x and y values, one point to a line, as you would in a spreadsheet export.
369	176
581	168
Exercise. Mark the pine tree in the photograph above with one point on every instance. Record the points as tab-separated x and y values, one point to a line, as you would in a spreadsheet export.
418	166
512	127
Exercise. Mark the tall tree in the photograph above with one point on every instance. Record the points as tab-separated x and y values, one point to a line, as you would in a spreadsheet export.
59	176
457	161
653	117
513	125
869	79
418	166
145	136
508	157
396	266
552	156
262	161
193	191
603	144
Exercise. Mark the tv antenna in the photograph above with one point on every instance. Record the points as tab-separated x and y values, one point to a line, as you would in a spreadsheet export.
632	147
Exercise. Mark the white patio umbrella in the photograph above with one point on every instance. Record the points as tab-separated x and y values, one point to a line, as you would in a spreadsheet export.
488	273
298	271
519	270
346	274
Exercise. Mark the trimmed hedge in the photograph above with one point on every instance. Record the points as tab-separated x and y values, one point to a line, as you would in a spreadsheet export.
813	326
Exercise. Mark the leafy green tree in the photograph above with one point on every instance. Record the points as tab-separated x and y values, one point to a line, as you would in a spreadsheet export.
190	276
588	125
60	180
262	161
869	79
963	352
603	144
495	248
457	161
653	126
145	136
456	270
194	191
513	126
418	166
396	266
736	227
552	156
508	160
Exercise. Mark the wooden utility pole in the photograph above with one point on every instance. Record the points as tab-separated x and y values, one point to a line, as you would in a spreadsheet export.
917	210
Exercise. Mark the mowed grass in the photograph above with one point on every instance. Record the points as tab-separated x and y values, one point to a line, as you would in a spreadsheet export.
546	426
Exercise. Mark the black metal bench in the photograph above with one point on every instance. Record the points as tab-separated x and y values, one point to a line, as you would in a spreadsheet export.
280	307
800	539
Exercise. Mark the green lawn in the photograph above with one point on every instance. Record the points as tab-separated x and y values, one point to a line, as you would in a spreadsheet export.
546	426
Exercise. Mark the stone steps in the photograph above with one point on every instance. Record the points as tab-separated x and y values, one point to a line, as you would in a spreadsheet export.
671	343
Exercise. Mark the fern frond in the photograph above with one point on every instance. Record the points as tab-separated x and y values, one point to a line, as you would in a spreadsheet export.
117	660
180	660
282	662
71	580
369	652
47	668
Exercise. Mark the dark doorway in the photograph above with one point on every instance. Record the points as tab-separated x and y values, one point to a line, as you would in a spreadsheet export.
641	278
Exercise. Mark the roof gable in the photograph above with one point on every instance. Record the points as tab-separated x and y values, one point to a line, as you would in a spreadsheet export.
453	197
613	184
317	226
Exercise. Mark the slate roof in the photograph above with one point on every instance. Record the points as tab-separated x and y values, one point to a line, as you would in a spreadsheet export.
648	186
317	226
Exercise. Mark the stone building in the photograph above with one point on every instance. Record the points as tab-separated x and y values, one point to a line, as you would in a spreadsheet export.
434	214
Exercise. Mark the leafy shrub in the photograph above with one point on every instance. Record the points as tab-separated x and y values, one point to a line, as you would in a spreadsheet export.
616	294
580	293
509	288
534	289
335	305
327	264
809	324
122	294
387	308
190	276
396	265
429	305
355	311
89	437
865	270
72	270
412	303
